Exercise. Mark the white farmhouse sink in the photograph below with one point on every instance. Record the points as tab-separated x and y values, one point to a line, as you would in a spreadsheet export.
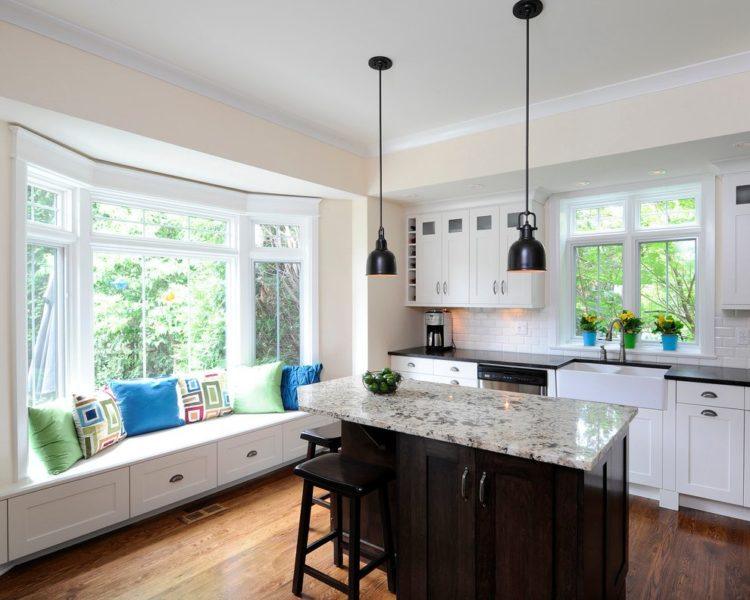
643	387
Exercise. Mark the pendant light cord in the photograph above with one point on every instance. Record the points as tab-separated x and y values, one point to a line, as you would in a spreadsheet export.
527	118
381	231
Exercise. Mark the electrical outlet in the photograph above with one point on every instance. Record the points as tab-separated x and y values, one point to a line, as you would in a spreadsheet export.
742	336
521	328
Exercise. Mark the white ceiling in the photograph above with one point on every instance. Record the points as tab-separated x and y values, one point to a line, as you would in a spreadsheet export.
304	63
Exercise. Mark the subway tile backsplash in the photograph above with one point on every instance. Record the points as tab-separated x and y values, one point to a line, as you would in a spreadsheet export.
520	330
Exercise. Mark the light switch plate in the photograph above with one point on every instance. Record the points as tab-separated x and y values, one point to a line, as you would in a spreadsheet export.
521	328
742	336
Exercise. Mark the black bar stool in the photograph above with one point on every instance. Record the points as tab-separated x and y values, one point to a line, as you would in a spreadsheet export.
327	436
344	477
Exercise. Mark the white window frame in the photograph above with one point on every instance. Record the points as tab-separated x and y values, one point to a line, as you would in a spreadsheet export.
83	181
564	243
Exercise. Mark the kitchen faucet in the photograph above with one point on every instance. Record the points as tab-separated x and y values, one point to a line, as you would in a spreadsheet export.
608	338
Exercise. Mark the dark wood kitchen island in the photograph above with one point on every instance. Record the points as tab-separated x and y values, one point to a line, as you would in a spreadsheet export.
497	494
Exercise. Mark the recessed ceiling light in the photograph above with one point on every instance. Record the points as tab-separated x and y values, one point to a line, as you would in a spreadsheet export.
742	145
658	172
584	183
476	186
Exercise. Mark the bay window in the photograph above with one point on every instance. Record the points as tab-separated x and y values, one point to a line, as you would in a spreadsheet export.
644	250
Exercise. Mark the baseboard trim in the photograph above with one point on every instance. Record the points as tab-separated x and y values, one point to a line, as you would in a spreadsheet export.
713	506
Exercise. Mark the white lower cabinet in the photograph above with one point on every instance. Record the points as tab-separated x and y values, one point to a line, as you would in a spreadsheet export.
3	532
54	515
747	457
249	453
645	448
162	481
293	446
710	452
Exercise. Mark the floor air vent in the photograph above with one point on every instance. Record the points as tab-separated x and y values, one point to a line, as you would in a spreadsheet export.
202	513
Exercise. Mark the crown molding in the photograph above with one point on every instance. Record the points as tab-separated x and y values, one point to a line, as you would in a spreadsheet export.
649	84
73	35
84	39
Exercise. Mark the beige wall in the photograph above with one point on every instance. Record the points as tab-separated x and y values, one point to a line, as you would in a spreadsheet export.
39	71
6	398
335	288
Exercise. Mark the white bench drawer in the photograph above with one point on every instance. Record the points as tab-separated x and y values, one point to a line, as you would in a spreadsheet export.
463	382
456	369
711	394
412	364
3	532
250	453
162	481
54	515
294	447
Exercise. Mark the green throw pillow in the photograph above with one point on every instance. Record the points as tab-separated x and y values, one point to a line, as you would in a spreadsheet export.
52	435
256	389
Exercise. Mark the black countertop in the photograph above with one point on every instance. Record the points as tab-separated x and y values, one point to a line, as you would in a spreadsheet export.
697	373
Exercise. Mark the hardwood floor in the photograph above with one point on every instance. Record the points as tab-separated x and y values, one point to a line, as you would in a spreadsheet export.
248	552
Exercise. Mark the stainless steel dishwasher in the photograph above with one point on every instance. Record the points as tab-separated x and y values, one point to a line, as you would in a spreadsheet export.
513	379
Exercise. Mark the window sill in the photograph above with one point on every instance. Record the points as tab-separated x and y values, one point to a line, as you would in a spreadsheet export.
644	349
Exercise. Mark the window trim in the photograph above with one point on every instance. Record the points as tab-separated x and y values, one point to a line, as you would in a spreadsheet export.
561	208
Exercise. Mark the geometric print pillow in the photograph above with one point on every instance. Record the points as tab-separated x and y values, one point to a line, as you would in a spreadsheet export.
98	422
204	395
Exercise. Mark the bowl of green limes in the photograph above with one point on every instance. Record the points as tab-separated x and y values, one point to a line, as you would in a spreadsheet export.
381	382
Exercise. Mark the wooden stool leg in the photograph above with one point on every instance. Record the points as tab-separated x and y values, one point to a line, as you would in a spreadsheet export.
302	534
337	524
354	542
385	519
311	450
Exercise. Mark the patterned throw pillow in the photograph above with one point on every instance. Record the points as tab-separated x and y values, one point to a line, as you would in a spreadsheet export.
204	395
98	422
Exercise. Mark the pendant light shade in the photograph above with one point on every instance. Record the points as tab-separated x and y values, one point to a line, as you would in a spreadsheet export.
527	254
381	261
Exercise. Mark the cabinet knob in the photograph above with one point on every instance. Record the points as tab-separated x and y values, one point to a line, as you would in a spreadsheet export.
494	287
454	369
410	364
176	478
482	486
709	395
454	381
445	287
252	453
709	413
465	484
502	287
437	287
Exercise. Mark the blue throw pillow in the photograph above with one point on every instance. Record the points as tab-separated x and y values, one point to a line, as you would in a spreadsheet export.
294	376
148	404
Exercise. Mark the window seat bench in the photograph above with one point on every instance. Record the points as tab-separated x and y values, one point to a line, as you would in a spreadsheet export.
143	475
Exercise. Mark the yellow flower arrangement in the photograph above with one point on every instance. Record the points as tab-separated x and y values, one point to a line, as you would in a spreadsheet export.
630	322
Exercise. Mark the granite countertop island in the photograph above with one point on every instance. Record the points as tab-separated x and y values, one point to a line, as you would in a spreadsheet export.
570	433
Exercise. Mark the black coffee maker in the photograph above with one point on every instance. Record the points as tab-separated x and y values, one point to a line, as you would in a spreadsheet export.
439	327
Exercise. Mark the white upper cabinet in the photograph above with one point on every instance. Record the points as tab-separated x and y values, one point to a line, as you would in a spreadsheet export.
429	259
461	259
455	257
484	255
735	241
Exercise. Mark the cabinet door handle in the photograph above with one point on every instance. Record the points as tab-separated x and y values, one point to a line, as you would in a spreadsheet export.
502	287
482	486
454	381
465	484
494	287
445	287
709	413
437	287
252	453
709	395
176	478
411	364
454	369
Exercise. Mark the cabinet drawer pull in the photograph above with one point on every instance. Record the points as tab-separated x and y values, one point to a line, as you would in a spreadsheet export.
494	287
437	287
454	381
465	484
176	478
454	369
445	287
252	453
411	364
502	287
709	395
709	413
482	485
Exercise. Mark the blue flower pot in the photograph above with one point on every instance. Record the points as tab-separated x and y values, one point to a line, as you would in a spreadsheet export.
589	338
669	341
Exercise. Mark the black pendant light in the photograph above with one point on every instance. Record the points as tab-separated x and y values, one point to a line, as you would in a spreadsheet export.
527	255
381	261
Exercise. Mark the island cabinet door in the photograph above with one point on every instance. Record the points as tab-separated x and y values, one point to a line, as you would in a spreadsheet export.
515	527
437	495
